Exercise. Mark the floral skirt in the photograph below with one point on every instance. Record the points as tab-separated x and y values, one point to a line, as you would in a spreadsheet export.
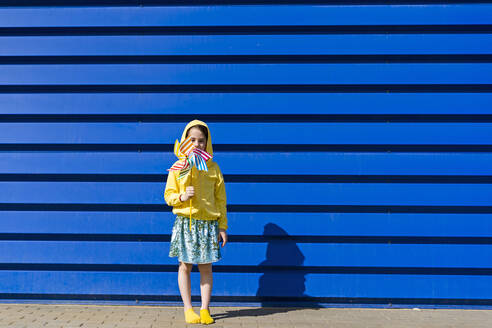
198	246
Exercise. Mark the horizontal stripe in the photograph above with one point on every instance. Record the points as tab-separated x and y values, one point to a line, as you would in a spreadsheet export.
222	46
249	118
247	15
230	105
253	148
244	59
250	88
239	284
248	269
150	166
280	254
149	3
243	74
253	226
452	179
251	239
251	208
246	30
249	133
337	194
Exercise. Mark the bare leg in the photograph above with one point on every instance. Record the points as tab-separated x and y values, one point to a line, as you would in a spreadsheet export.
184	283
206	283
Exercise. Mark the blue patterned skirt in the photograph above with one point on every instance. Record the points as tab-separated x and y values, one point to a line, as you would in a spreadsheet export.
198	246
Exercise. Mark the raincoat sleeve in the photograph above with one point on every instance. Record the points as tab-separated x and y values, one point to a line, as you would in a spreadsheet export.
220	200
171	193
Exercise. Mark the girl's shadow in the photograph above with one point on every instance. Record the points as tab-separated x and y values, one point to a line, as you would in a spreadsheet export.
280	284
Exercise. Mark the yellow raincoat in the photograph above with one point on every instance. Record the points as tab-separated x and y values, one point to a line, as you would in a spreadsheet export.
209	201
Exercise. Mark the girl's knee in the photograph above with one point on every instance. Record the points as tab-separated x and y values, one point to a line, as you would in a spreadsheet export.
205	268
187	267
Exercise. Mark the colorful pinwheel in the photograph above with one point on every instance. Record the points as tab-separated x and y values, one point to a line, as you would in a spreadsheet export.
189	156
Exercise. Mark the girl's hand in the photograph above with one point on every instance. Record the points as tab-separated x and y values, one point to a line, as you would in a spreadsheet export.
223	237
190	192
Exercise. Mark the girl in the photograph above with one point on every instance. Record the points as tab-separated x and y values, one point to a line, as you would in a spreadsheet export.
197	243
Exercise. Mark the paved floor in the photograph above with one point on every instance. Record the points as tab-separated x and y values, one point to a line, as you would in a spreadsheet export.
68	316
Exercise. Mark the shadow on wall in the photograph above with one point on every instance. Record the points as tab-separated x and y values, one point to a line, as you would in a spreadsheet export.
289	285
282	283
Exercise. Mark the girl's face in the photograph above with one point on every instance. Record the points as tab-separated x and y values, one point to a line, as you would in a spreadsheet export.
198	138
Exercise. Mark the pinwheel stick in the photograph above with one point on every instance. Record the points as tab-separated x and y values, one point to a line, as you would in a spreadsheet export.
191	176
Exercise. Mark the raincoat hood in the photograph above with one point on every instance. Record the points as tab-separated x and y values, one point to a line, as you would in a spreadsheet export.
209	138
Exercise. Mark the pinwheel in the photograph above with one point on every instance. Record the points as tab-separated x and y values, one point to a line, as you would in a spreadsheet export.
189	156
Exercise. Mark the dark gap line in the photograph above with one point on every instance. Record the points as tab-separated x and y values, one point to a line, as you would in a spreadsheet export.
243	59
246	30
249	88
251	148
277	239
359	209
245	118
91	207
275	301
284	270
431	240
360	178
193	3
254	178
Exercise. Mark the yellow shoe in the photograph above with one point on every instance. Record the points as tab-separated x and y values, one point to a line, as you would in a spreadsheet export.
191	316
205	317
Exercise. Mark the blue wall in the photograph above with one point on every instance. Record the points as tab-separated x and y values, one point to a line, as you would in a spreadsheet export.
356	143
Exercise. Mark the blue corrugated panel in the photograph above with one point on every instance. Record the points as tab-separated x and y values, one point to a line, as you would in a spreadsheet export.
295	15
355	141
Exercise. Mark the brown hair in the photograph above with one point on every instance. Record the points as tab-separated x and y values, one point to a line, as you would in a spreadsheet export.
203	129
